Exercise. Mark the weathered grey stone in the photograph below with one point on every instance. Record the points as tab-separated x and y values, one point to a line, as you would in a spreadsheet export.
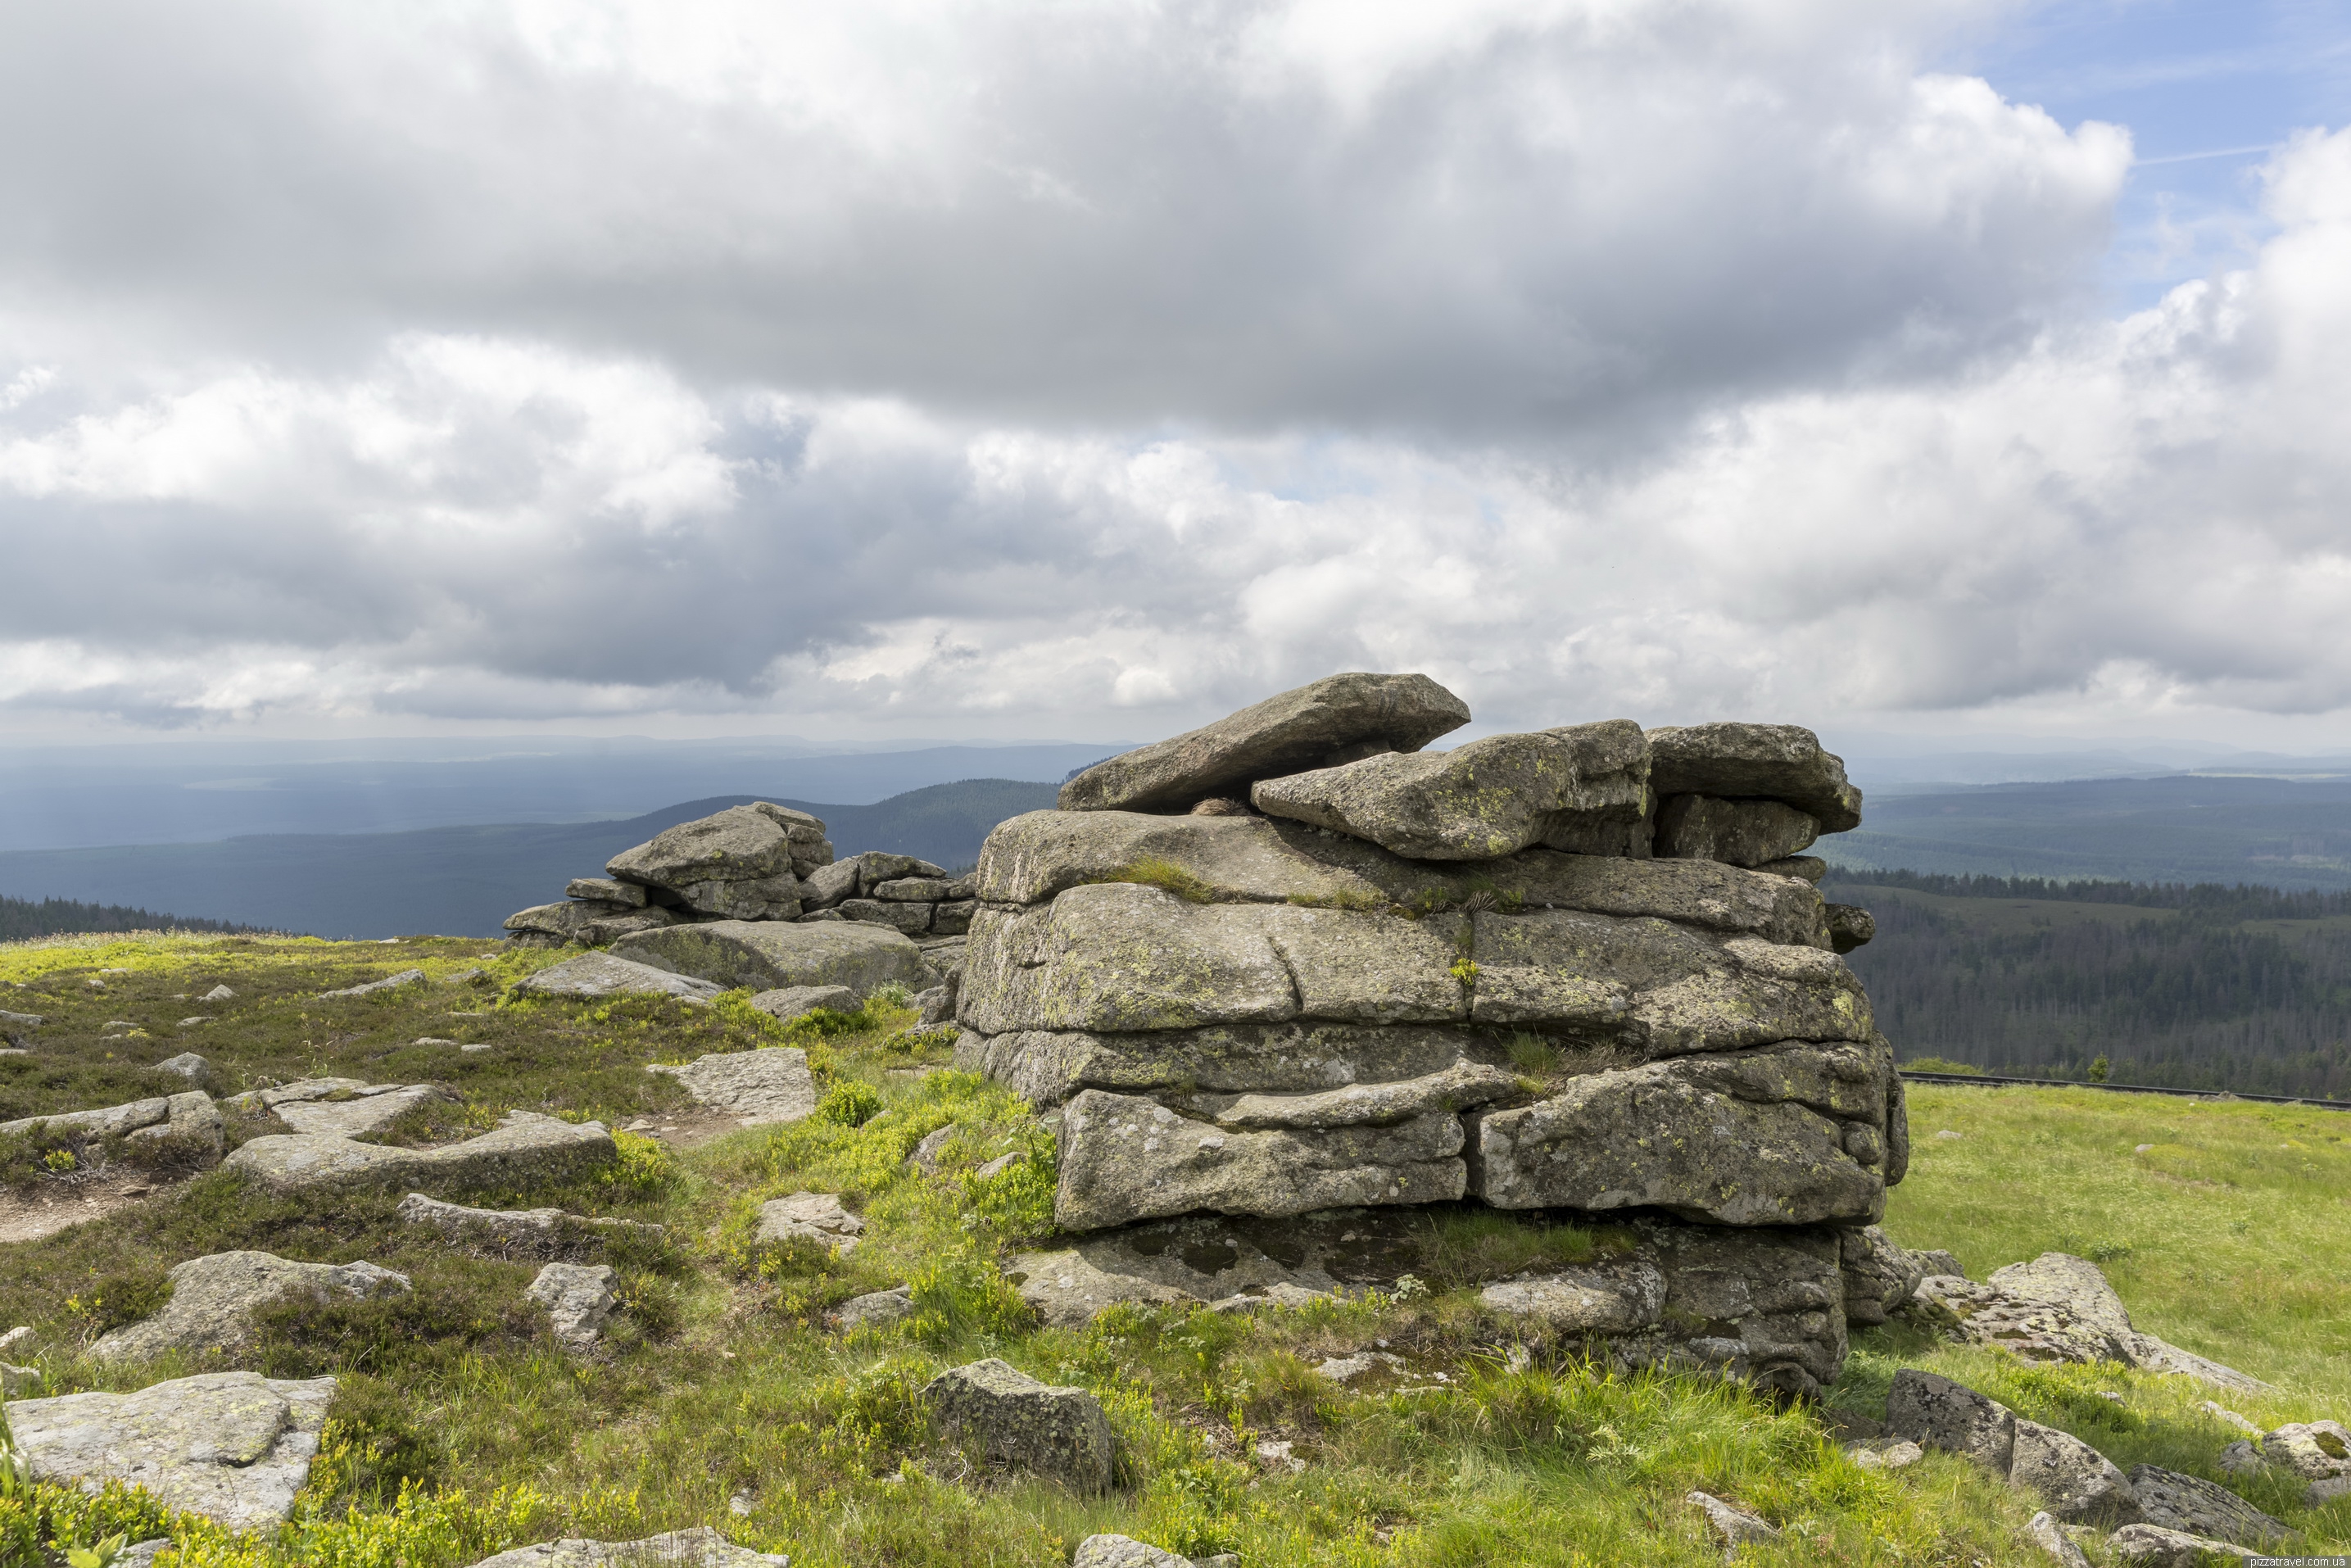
21	1382
348	1110
914	919
2153	1546
765	1086
1810	867
701	1547
1850	926
2312	1450
1886	1453
1938	1412
1729	1140
611	975
1583	789
1771	761
1022	1425
607	929
605	890
1220	1260
1603	1298
1123	1158
789	1002
389	983
1738	832
1732	1527
218	994
913	890
1048	1067
953	919
512	1232
736	862
107	1121
1463	1086
1123	1552
1298	730
937	1004
2060	1308
214	1299
2178	1501
234	1446
554	924
1878	1275
2044	1531
525	1149
876	1309
190	1066
815	1216
925	1157
21	1021
767	955
578	1298
828	885
2080	1485
1932	1261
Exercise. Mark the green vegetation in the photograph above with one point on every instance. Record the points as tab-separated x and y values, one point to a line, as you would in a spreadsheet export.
2245	988
1153	871
459	1429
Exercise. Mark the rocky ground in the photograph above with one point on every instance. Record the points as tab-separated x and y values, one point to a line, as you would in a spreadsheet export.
743	1333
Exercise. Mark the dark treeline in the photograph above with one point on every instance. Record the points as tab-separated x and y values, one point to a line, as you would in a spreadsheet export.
21	918
2187	998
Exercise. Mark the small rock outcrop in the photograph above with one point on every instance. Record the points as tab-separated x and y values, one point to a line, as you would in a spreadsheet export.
2153	1546
789	1002
767	955
759	1087
191	1116
603	975
1732	1527
875	1309
2080	1485
699	1548
1125	1552
214	1299
578	1298
512	1232
234	1447
346	1107
525	1149
2178	1501
2059	1307
188	1065
1011	1421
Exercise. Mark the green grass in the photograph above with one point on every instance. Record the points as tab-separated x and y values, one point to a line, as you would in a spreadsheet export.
460	1430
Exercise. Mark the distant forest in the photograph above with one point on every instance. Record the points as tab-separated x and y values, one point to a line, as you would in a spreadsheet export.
2176	985
22	917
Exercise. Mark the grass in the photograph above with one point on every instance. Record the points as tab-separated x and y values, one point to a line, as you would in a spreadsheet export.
459	1429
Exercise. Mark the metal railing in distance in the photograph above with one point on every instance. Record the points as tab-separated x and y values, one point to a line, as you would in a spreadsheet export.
1989	1080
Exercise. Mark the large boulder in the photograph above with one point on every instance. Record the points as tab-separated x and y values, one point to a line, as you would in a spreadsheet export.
741	864
1331	720
611	975
760	1087
590	922
2059	1307
1584	788
2198	1507
524	1150
2080	1485
1012	1421
214	1299
701	1547
1937	1413
766	956
1741	832
234	1447
1765	761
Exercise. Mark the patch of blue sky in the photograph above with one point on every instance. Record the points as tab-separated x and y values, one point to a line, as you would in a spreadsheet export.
2209	89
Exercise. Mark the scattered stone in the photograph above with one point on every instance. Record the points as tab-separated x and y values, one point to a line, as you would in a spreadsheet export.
1937	1413
525	1149
925	1157
1336	719
390	982
701	1547
1345	1369
192	1022
608	975
795	1001
815	1216
767	955
2081	1485
1021	1425
475	1050
218	994
21	1021
1733	1527
1936	1261
2176	1502
431	1039
760	1087
234	1446
876	1309
2222	1412
2044	1532
190	1066
578	1297
142	1554
511	1232
2153	1546
19	1341
2243	1458
20	1382
214	1299
1886	1454
995	1167
1277	1456
1124	1552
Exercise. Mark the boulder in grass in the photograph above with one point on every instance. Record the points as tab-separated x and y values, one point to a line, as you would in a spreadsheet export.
2199	1507
1334	720
701	1547
815	1216
789	1002
578	1298
372	987
234	1447
1124	1552
766	956
1732	1527
1937	1413
2080	1485
610	975
214	1300
525	1149
2153	1546
513	1232
1014	1422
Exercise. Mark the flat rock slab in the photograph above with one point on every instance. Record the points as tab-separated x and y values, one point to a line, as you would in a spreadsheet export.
1021	1425
525	1148
193	1110
390	982
608	975
2199	1507
875	1309
368	1109
234	1447
810	1217
789	1002
699	1548
214	1300
1620	1298
770	956
1210	1261
759	1086
2153	1546
511	1232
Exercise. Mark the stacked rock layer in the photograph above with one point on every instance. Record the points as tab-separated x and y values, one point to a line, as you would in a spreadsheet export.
1291	963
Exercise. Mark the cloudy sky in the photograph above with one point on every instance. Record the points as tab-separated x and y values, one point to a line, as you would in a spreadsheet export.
1086	369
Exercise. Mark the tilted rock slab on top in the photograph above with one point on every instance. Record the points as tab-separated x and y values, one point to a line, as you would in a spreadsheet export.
767	955
1755	761
743	863
1583	789
1297	730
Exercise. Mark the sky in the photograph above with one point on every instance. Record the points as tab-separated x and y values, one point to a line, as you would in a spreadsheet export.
1087	370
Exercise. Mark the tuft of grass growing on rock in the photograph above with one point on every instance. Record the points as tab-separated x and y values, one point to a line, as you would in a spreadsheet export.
1154	872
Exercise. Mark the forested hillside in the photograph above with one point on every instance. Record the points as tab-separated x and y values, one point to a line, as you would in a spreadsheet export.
24	917
2246	988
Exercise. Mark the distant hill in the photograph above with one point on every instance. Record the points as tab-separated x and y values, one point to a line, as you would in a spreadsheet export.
465	881
21	918
2284	833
